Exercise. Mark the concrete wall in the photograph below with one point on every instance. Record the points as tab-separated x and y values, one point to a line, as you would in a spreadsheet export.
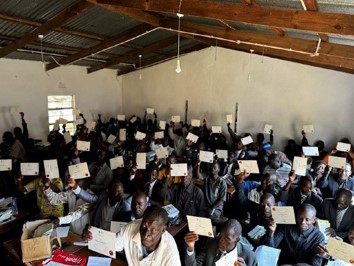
284	94
26	85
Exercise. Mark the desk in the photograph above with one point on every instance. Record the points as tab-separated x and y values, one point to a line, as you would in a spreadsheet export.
13	249
175	229
18	222
200	183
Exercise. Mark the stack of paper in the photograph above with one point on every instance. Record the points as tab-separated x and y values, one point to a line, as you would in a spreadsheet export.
257	232
172	211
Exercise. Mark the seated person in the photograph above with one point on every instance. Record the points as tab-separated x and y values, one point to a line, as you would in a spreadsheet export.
187	197
301	243
215	190
78	205
146	241
260	214
164	172
138	206
298	195
155	189
110	206
265	187
278	171
339	212
16	149
350	237
46	209
100	173
329	185
227	241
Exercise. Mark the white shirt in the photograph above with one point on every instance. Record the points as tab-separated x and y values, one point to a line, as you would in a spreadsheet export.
128	239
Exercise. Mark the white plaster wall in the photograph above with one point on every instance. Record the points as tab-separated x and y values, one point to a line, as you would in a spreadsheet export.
284	94
26	85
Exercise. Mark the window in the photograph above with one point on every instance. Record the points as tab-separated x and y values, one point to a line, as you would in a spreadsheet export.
61	106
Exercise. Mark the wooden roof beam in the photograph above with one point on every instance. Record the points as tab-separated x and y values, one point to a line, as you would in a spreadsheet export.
330	23
194	48
148	49
66	15
102	46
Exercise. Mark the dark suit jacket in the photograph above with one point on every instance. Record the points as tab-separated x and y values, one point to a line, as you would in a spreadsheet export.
159	192
209	256
329	212
119	212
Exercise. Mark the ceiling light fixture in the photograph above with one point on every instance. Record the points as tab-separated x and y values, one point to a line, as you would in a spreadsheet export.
178	67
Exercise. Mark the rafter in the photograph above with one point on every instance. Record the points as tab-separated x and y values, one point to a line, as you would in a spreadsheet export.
64	16
103	45
273	17
146	50
194	48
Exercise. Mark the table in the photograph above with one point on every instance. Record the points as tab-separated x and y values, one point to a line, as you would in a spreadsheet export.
175	229
13	249
19	220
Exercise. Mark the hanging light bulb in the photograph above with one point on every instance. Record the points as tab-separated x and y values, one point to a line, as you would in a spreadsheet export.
140	75
178	67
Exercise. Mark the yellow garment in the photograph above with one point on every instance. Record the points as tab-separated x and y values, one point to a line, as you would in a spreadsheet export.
42	201
164	173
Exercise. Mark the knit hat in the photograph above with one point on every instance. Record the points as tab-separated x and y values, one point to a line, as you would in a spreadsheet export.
266	146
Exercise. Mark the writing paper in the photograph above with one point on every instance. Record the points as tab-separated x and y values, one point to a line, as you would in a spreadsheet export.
267	256
121	118
229	119
308	128
91	125
76	111
192	137
299	165
343	146
6	165
159	135
322	226
310	151
51	168
161	153
283	214
216	129
122	134
111	138
63	231
250	166
206	156
267	128
140	135
340	250
176	118
98	261
337	162
162	125
116	162
229	259
179	169
29	168
116	226
78	171
222	154
246	140
201	226
133	119
83	145
195	123
150	111
103	242
141	160
62	121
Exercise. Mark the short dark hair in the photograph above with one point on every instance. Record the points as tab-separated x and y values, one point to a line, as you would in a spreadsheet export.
308	207
234	224
345	192
306	179
113	182
156	212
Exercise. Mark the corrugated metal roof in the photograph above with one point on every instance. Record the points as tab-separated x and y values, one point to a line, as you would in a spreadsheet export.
65	39
37	10
14	29
102	22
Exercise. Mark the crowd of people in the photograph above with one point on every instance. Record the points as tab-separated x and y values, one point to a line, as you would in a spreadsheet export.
136	194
